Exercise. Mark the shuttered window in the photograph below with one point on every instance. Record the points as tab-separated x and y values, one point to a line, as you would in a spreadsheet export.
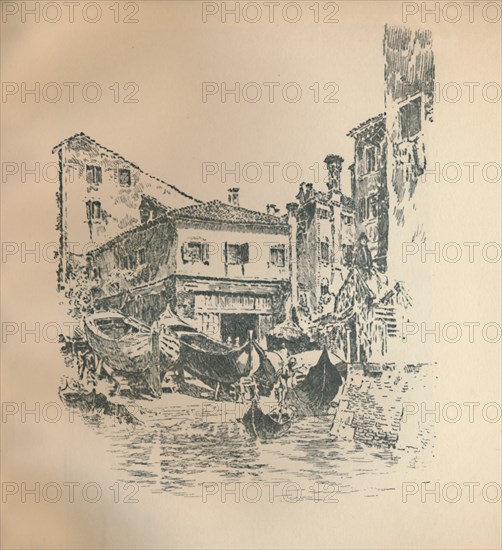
93	210
192	252
236	253
93	174
278	256
410	118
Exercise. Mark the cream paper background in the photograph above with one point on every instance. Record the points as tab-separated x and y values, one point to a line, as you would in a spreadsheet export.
169	133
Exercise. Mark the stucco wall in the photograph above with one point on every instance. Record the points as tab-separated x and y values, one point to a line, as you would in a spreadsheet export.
119	204
260	239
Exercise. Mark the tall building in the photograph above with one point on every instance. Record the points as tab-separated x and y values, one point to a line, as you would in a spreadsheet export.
409	103
321	230
369	187
99	197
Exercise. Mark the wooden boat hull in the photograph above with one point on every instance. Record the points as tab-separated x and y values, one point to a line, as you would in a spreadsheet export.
215	364
125	345
314	394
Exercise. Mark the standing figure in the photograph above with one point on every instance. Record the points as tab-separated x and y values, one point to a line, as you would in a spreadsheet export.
362	255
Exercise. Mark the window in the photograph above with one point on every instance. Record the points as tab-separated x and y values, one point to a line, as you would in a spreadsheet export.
361	210
236	253
128	261
124	177
370	156
323	214
372	210
142	256
373	233
278	256
325	252
410	118
93	210
233	254
195	252
346	219
93	174
347	254
324	286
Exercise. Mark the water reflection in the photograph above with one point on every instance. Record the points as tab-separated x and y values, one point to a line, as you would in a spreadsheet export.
176	451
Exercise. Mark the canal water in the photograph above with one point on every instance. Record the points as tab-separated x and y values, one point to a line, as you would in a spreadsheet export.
186	446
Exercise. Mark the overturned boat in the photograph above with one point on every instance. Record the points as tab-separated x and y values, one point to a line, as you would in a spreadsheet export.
265	426
216	364
130	348
313	395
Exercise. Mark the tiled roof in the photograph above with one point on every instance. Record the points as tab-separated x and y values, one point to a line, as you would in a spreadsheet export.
133	229
366	124
211	211
152	201
221	212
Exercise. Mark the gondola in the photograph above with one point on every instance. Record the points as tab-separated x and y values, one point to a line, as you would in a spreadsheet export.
216	364
265	426
313	395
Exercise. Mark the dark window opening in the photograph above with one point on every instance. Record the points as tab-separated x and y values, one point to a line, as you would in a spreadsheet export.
372	210
324	287
370	159
325	252
195	252
410	118
124	177
361	211
278	256
233	254
93	174
93	210
347	254
236	253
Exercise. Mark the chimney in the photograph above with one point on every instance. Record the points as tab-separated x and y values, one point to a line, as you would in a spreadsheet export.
301	192
233	196
334	167
272	209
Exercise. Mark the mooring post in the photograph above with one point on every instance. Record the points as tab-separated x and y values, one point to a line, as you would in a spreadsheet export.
154	370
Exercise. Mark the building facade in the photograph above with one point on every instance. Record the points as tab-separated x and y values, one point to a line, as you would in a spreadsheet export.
409	103
369	187
99	197
322	231
222	268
